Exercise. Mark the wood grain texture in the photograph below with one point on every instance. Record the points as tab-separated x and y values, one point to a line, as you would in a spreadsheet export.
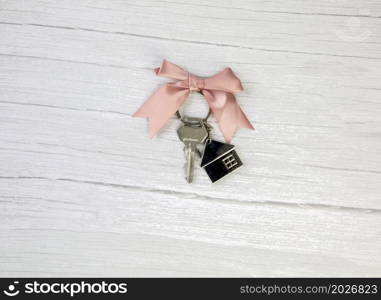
84	192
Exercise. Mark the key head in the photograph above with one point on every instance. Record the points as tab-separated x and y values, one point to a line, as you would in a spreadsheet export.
192	134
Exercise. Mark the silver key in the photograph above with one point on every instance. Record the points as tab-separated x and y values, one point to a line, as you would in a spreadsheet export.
191	136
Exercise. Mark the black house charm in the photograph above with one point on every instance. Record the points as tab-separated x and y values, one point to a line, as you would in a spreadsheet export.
219	159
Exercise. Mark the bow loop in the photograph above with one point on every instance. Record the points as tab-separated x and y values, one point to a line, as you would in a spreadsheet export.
218	91
170	70
226	81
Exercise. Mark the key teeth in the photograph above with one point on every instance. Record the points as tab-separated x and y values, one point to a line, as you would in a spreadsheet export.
189	179
186	172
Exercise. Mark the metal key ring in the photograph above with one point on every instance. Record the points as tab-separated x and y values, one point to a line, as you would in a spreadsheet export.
192	121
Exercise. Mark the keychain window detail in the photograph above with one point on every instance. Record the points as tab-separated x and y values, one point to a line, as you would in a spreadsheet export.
229	162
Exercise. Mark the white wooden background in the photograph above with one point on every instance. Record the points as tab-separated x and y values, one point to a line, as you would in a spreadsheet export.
85	192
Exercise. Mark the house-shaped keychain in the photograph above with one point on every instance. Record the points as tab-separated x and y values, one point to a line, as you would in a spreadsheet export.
219	159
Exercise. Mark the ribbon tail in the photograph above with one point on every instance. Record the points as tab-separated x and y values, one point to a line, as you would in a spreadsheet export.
161	106
227	112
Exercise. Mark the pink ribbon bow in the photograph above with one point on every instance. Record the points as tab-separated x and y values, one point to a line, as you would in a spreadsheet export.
218	91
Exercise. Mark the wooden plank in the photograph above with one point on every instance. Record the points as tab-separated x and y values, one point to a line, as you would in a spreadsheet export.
64	227
96	146
326	28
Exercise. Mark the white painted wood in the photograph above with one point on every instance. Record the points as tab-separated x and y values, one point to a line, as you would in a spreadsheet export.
84	192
